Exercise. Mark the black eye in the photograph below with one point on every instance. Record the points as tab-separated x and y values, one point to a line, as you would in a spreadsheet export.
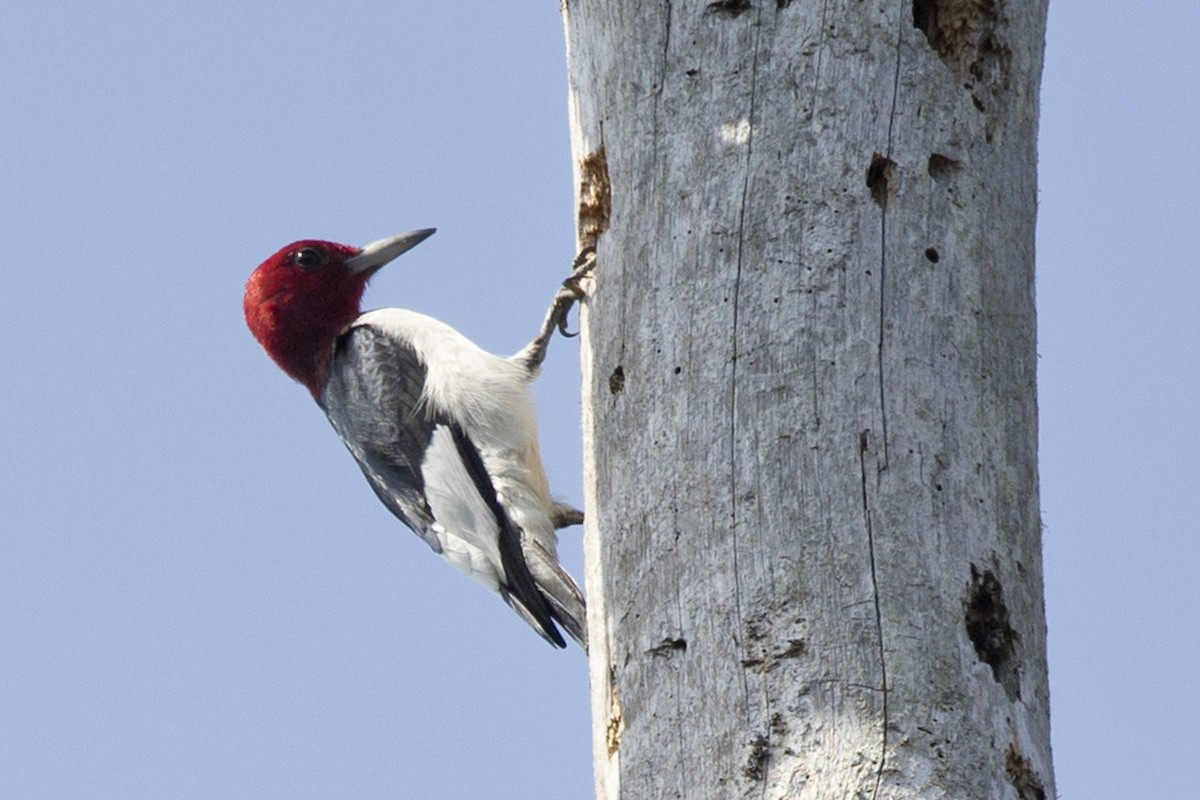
309	258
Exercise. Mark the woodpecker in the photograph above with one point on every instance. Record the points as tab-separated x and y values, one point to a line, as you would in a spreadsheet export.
443	431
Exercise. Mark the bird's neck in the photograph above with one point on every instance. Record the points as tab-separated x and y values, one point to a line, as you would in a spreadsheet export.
306	356
301	341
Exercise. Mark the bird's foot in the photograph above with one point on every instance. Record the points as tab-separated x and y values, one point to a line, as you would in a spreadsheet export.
556	318
572	288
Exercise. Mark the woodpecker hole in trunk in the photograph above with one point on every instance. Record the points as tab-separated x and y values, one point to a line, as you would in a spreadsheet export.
882	180
942	167
616	381
729	8
988	626
963	34
595	198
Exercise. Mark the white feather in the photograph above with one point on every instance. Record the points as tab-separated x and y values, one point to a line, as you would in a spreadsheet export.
464	525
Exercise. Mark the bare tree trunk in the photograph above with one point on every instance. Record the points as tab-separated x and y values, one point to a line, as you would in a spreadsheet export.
813	542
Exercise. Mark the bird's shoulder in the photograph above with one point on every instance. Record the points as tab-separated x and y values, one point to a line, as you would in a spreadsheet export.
428	337
373	372
462	382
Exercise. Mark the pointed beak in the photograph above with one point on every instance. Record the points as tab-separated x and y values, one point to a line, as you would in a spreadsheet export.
376	254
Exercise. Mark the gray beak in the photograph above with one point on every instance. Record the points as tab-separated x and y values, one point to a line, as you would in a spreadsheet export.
376	254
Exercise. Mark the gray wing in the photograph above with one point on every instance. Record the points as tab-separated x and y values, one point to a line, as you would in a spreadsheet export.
372	396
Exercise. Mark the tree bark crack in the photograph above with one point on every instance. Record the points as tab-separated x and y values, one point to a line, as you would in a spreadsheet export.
863	444
666	48
820	58
864	438
733	377
883	247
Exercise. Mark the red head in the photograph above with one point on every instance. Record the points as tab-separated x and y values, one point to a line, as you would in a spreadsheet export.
301	299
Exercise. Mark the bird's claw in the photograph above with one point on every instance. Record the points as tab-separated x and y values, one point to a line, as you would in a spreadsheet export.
556	318
566	297
572	288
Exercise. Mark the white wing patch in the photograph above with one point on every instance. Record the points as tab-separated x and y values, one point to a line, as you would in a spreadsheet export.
464	525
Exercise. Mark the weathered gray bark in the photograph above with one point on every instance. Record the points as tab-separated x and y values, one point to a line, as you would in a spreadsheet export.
813	543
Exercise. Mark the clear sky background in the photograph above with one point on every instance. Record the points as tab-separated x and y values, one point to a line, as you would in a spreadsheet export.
200	597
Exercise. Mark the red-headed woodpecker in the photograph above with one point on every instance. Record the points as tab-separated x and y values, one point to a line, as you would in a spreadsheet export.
443	431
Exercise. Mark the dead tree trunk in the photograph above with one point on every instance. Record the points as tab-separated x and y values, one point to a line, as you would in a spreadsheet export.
810	414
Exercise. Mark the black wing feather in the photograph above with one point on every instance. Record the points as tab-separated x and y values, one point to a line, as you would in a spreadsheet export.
519	583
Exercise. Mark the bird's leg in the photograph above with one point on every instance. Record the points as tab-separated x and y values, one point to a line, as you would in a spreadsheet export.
556	318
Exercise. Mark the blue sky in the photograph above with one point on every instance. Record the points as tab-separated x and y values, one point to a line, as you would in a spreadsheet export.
199	597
